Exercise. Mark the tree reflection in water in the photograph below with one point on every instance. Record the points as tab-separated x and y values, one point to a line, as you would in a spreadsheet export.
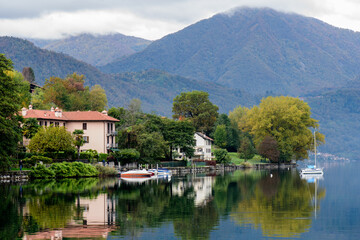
279	203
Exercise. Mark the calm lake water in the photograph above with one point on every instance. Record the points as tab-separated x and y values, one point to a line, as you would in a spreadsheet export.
238	205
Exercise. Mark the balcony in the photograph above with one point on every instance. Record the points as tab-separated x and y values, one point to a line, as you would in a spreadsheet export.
112	145
113	133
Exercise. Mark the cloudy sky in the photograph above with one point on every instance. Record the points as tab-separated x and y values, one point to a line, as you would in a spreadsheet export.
150	19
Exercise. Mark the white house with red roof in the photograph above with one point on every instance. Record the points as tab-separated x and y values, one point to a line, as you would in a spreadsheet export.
99	128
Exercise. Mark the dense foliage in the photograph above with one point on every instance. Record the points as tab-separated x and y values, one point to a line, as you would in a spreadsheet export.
10	105
152	136
221	156
196	107
70	94
51	139
64	170
288	120
30	127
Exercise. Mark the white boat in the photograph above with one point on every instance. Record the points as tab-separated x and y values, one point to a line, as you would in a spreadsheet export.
137	174
161	171
312	169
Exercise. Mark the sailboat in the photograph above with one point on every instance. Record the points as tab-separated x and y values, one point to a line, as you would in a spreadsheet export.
312	169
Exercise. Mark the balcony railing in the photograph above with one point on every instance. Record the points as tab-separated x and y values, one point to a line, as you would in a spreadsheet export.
113	133
112	145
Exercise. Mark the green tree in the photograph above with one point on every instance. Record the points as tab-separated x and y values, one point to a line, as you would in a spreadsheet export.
268	148
98	98
51	139
221	156
23	87
220	136
30	127
196	107
79	140
28	74
70	94
10	105
288	120
247	149
179	134
151	146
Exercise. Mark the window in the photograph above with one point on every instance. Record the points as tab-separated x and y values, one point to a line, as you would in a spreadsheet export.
208	150
108	128
56	124
64	124
107	140
45	123
41	123
51	123
199	149
84	126
86	139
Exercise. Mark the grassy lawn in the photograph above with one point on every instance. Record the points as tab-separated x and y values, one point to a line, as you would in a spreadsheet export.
237	161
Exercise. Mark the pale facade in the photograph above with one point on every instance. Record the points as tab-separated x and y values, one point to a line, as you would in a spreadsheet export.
202	147
99	128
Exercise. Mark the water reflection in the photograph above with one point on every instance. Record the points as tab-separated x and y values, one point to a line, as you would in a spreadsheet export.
277	203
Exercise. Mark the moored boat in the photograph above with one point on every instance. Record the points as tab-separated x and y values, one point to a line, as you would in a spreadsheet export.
137	174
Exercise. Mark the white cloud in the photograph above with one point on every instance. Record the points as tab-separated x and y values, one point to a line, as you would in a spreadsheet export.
150	19
60	24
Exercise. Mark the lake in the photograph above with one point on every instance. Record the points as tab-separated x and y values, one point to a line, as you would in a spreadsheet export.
246	204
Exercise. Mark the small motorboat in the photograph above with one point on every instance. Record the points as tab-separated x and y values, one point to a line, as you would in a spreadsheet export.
137	174
161	171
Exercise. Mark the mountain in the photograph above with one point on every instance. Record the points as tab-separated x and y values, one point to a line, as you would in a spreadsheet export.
96	50
257	50
46	63
338	113
157	89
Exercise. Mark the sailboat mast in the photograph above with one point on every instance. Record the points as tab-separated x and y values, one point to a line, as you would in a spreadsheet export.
315	147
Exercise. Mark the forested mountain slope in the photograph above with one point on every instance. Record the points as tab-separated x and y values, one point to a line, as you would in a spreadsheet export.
257	50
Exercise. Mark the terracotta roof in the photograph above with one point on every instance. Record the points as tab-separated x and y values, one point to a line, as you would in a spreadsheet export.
69	116
204	136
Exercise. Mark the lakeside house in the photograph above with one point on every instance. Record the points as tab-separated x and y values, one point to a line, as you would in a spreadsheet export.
202	147
99	128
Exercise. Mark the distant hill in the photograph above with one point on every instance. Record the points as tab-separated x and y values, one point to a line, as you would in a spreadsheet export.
96	50
257	50
157	89
46	63
338	113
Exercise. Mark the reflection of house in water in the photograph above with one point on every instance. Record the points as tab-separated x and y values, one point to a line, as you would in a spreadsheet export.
202	189
94	218
98	211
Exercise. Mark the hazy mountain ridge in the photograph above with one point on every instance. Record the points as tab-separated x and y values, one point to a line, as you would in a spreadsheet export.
156	89
46	63
282	53
96	50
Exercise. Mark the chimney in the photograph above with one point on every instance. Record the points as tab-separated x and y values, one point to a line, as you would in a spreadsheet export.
23	112
52	109
104	112
58	112
30	107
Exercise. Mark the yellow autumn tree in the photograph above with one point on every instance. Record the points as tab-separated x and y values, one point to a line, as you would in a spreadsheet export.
288	120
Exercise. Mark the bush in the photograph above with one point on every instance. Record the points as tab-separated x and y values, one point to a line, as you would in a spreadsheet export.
35	159
75	169
102	156
40	171
222	156
106	171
